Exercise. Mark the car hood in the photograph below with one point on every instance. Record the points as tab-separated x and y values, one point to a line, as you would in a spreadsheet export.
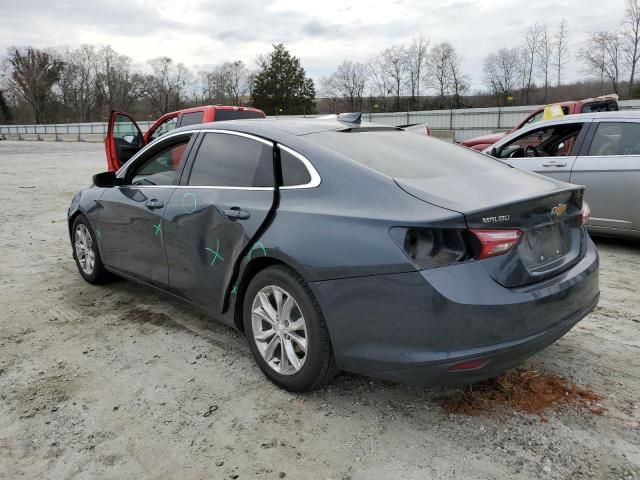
488	139
474	192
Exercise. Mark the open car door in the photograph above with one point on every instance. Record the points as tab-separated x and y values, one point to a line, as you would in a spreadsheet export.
124	139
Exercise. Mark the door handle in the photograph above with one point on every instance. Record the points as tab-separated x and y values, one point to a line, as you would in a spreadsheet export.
554	163
153	204
234	213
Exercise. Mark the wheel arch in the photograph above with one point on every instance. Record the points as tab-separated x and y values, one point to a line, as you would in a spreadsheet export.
250	270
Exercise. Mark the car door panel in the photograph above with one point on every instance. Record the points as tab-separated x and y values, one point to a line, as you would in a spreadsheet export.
131	226
225	197
609	168
203	243
554	167
612	189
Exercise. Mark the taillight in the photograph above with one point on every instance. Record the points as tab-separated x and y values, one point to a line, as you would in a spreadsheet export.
495	242
585	213
432	247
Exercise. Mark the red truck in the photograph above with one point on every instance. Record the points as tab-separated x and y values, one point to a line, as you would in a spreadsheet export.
124	138
607	103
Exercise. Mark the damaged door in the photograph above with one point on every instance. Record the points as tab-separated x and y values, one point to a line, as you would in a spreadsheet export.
225	196
124	139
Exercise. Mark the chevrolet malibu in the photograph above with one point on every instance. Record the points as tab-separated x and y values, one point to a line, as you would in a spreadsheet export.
335	247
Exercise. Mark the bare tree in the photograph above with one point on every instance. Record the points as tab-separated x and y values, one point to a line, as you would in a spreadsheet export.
77	84
380	82
631	36
119	87
544	58
416	60
347	83
459	81
530	50
561	49
235	74
602	56
501	71
440	71
33	74
165	85
395	61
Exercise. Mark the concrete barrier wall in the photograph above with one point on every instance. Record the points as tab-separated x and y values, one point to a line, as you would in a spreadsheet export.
464	123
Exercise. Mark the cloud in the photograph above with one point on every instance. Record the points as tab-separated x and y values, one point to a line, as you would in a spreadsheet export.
322	34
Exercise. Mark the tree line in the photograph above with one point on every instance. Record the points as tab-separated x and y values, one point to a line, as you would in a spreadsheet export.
83	84
609	58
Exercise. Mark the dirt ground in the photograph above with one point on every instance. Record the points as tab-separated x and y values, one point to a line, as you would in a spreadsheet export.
114	381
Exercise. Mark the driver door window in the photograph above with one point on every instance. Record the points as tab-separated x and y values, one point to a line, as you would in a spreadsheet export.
550	141
160	168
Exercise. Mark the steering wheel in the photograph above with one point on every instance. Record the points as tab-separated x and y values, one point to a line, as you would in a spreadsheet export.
530	151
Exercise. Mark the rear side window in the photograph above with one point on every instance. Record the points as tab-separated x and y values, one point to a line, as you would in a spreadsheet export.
222	115
616	138
294	172
225	160
192	118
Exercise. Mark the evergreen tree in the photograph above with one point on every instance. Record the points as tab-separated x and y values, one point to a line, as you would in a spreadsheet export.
281	87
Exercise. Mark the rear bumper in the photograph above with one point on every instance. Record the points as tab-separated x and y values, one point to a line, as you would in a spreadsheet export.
413	327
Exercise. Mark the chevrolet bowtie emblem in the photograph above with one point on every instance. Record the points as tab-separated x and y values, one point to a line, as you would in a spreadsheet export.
559	209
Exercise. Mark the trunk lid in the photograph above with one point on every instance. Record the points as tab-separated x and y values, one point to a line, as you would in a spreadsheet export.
546	211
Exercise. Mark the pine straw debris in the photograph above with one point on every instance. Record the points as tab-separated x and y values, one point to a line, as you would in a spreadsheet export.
524	390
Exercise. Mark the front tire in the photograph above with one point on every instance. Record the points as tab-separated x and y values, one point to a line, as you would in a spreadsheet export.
86	253
286	331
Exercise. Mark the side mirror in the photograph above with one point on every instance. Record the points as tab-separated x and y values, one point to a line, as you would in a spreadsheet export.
105	179
494	152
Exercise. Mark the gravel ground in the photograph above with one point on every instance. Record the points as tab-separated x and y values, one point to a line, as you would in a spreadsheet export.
114	381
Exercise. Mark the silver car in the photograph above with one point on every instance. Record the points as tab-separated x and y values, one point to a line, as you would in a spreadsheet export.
598	150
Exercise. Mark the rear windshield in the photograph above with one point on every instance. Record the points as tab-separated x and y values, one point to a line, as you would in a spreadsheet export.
222	115
401	154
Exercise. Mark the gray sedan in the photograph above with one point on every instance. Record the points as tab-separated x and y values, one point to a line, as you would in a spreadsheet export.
341	247
598	150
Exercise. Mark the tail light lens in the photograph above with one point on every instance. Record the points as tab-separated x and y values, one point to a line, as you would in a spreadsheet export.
432	247
585	213
495	242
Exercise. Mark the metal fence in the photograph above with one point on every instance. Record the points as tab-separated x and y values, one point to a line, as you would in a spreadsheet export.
462	124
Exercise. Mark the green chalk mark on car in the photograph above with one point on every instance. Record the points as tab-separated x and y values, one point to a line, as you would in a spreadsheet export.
98	233
256	246
216	253
234	290
157	228
184	204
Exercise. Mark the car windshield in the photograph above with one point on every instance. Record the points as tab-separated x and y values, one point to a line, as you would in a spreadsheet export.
401	154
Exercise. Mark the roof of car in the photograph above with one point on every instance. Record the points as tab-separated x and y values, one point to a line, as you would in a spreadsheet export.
291	126
628	114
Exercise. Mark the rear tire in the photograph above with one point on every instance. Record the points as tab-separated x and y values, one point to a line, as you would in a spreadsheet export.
286	331
86	253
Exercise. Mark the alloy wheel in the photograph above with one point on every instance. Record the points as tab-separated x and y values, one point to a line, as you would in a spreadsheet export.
279	330
85	252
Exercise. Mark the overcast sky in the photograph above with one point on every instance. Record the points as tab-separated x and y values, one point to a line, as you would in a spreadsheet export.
322	34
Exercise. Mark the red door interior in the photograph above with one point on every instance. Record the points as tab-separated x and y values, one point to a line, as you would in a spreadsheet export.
124	139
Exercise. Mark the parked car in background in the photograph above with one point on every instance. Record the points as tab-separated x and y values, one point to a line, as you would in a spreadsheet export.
336	246
124	137
606	103
598	150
